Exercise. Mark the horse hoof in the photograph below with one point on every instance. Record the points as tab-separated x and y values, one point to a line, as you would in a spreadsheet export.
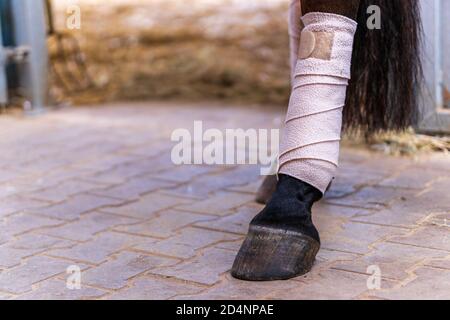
274	254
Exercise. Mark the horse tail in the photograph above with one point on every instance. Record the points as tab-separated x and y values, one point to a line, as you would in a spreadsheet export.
386	69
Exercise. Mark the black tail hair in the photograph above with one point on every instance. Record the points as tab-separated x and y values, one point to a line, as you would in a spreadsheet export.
386	69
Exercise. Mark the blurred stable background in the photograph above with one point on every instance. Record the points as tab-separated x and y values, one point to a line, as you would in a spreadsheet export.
229	50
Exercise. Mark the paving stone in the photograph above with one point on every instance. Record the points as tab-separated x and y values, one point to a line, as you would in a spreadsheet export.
251	188
439	263
98	249
232	245
409	178
359	176
47	164
148	205
119	174
200	187
373	197
13	204
74	207
8	175
395	216
324	209
237	222
327	285
55	289
340	189
155	289
220	204
205	269
326	258
36	269
13	252
186	243
151	150
184	173
134	188
138	167
157	164
394	260
12	189
54	178
438	219
427	237
165	224
352	237
379	161
417	208
21	223
232	289
434	161
105	163
430	284
211	183
115	273
436	196
64	191
86	227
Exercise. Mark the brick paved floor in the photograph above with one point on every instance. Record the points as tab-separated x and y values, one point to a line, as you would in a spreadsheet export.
94	188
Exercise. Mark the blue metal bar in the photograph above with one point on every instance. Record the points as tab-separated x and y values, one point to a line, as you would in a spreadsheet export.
3	78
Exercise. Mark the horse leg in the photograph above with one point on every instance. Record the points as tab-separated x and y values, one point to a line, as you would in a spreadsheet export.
347	8
282	241
296	9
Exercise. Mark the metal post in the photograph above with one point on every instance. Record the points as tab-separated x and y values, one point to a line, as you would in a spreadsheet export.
435	118
3	78
30	31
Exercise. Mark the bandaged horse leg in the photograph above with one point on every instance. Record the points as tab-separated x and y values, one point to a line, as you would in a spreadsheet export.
310	146
387	72
282	241
268	187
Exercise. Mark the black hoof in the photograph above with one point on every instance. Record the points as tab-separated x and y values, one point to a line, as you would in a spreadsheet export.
282	241
274	254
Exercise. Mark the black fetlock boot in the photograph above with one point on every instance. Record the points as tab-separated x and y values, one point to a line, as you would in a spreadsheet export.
282	241
268	187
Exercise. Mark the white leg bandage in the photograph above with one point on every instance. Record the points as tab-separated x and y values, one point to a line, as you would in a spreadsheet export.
310	146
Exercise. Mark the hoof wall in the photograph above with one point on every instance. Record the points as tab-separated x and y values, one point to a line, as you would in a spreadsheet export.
274	254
